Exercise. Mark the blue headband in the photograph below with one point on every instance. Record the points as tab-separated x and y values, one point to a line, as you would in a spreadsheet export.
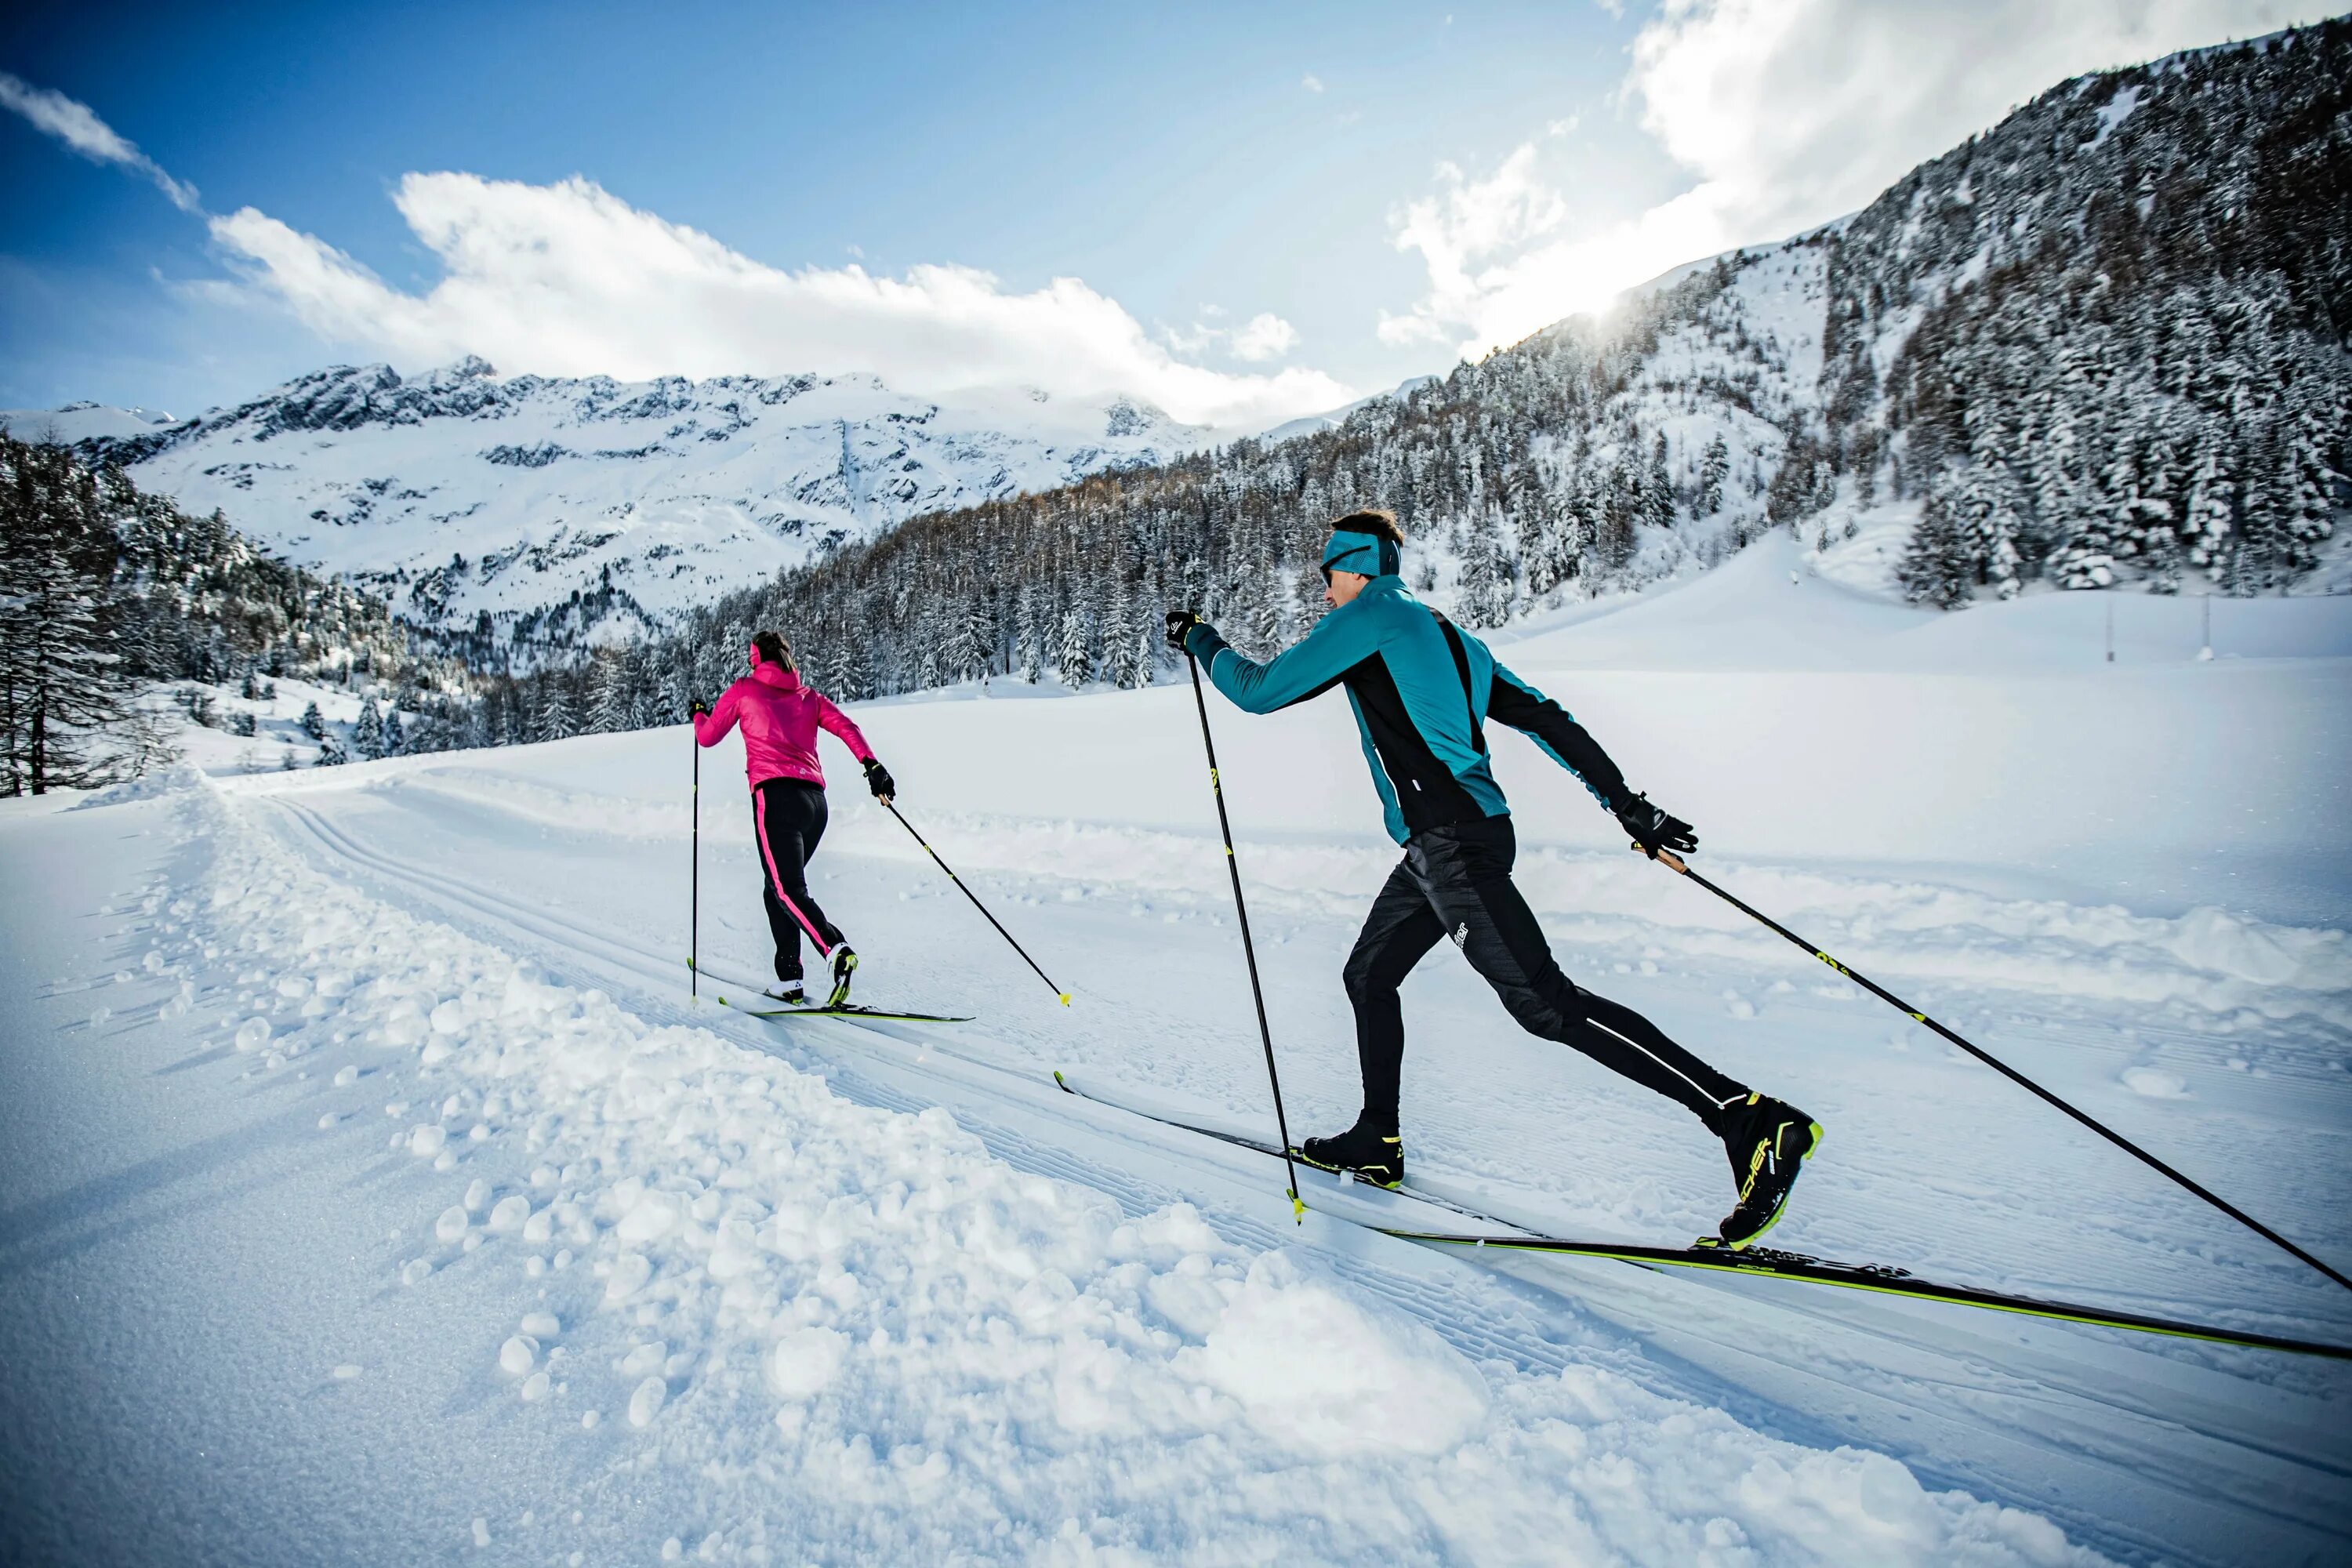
1367	555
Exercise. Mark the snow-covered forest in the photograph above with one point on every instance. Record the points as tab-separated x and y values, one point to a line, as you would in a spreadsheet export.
106	591
2102	344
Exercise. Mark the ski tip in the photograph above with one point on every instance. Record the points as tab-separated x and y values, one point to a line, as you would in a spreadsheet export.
1064	1082
1065	996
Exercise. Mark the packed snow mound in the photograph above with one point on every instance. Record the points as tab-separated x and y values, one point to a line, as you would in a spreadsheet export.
460	492
172	779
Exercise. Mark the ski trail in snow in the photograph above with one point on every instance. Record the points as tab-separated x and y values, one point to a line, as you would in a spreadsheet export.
784	1322
1910	1363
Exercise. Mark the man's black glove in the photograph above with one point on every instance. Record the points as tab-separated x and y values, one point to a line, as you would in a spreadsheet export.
1180	624
696	708
1653	829
878	780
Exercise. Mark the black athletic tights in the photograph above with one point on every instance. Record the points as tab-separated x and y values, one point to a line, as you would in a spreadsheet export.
1455	881
788	817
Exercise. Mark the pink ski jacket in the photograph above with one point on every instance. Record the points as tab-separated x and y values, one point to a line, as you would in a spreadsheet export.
780	719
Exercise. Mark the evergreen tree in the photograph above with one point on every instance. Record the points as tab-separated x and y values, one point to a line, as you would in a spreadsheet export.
313	723
367	734
1712	469
1939	565
608	701
1074	654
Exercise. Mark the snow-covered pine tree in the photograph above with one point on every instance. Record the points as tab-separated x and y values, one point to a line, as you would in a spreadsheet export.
313	723
1074	653
1658	487
2211	513
1483	598
1938	566
395	738
64	698
1712	469
608	698
554	717
367	732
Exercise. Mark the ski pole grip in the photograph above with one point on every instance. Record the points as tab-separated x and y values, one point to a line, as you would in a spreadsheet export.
1672	861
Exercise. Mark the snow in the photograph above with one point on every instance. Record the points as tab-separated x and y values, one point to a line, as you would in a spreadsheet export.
2115	111
672	491
487	1240
82	422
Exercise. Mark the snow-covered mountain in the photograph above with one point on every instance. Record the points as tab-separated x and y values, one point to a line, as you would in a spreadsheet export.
2099	346
559	507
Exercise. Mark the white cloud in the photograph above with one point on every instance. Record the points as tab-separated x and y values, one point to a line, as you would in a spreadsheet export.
568	280
1311	82
1263	337
74	124
1785	113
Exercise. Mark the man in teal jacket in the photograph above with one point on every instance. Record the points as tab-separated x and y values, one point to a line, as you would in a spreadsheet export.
1422	689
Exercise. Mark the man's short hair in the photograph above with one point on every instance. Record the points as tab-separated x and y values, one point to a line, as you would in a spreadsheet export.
1378	523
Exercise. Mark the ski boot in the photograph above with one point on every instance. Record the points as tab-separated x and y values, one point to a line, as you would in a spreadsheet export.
788	991
845	961
1363	1151
1767	1142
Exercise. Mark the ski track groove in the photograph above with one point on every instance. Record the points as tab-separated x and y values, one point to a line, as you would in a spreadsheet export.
1682	1351
1135	1195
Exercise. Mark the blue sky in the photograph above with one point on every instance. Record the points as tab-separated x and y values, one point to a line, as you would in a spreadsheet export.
1261	210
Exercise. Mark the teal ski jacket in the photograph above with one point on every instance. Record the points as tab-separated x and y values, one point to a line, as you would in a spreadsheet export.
1422	690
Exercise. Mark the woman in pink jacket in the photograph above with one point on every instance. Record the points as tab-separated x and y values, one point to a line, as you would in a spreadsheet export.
780	717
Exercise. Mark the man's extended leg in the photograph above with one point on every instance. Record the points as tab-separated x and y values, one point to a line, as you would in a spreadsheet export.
1400	928
1465	873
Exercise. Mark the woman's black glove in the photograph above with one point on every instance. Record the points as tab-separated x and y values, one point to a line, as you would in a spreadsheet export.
696	708
878	780
1179	626
1653	829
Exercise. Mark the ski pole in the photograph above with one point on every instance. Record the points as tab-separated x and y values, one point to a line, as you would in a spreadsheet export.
694	877
1249	949
1673	862
968	894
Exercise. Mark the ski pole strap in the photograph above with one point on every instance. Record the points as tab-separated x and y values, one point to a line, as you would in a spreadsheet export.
1674	862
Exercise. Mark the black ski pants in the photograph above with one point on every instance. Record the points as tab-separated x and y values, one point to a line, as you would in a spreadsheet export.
788	818
1455	881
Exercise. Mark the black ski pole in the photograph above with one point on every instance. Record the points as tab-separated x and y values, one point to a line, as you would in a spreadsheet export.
694	877
1673	862
968	894
1249	949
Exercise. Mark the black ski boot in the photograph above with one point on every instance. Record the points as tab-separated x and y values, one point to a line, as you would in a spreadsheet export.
788	991
845	960
1368	1152
1767	1142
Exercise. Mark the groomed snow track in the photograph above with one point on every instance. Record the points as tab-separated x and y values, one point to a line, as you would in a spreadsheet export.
2149	1451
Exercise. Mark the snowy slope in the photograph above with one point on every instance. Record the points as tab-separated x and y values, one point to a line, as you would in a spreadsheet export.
460	492
79	422
830	1293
